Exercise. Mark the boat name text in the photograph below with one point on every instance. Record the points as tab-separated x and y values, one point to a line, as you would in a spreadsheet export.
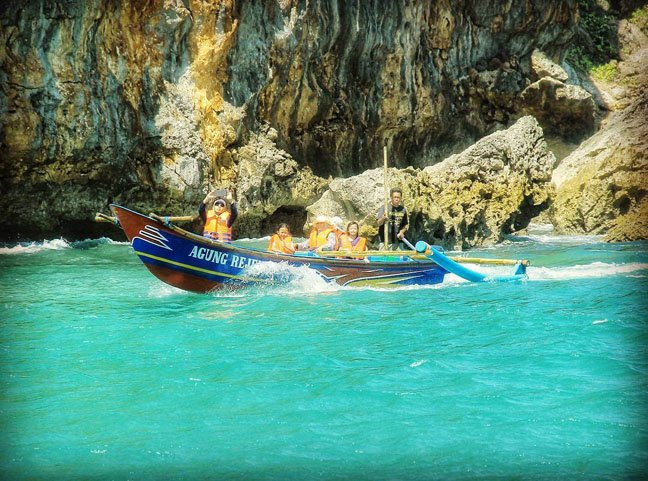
223	258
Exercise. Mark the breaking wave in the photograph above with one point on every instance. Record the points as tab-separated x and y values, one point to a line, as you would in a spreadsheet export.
57	245
595	269
544	234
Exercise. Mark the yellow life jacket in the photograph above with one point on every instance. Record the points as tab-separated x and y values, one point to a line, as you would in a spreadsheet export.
320	239
216	226
284	246
345	244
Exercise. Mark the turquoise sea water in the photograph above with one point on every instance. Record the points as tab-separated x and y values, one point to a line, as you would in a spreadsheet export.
109	374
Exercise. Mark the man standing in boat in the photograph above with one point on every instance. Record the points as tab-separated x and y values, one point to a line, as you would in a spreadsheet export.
217	219
397	219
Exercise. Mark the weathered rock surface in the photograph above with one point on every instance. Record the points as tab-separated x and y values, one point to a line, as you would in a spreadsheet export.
542	66
603	184
150	103
272	188
562	109
566	110
493	188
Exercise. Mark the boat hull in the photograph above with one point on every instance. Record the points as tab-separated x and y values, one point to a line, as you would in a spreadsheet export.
198	264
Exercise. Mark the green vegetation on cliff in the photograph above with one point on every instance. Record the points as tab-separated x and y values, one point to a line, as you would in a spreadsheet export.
640	18
596	45
596	40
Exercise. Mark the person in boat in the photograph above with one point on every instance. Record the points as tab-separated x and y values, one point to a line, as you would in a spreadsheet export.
322	236
281	242
217	219
338	230
397	219
350	240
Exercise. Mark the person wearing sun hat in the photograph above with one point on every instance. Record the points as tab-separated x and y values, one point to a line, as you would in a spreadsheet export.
322	235
338	229
217	219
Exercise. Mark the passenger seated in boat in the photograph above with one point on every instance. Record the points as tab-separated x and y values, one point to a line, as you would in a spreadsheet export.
338	230
218	220
322	236
281	242
351	241
397	219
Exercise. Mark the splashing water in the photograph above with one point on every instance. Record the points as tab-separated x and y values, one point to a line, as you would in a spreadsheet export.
283	278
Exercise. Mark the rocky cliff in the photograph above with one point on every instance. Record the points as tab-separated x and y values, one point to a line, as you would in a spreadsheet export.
602	187
150	103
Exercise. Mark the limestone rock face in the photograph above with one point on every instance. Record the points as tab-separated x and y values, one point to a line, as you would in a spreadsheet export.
542	66
564	110
603	184
96	108
272	188
472	198
429	78
150	104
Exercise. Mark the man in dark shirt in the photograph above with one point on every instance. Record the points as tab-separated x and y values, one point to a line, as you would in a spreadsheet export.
397	221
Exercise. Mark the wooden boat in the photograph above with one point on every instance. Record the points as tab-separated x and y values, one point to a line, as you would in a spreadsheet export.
194	263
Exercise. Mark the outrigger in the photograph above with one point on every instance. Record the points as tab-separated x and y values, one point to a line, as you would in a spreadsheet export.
195	263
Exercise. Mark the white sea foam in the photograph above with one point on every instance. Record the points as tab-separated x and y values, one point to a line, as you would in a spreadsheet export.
595	269
566	239
544	234
418	363
33	247
56	244
289	279
278	278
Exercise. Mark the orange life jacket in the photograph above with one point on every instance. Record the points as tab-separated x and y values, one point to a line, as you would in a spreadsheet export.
320	239
284	246
216	226
345	244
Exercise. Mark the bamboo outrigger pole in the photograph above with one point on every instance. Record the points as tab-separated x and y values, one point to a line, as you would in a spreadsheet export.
167	219
386	224
99	217
427	255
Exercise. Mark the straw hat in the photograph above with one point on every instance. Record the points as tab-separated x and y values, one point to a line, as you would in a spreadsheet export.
321	219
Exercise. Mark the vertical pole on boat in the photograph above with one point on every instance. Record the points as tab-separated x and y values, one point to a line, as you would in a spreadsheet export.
386	224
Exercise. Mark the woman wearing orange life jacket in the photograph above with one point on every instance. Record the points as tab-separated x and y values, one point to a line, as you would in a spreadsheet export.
351	241
282	242
218	220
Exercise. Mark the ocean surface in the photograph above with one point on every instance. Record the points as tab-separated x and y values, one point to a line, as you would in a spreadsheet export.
107	373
